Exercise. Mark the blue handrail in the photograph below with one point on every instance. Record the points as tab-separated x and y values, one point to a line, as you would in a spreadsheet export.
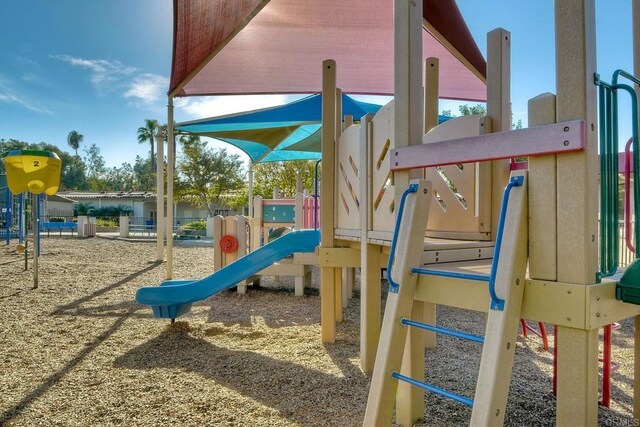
496	302
393	286
433	389
443	331
315	197
456	275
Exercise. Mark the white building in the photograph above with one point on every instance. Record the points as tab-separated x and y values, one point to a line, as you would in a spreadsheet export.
142	204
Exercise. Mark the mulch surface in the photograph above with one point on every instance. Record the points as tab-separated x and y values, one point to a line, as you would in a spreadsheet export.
79	351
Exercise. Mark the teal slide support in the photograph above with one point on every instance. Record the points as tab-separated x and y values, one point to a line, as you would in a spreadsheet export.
173	298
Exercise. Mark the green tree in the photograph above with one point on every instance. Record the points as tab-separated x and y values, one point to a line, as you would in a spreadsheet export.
471	110
143	177
73	176
95	168
7	145
74	139
284	176
146	134
119	179
204	175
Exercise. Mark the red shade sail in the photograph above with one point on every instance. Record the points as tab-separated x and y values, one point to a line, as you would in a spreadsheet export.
224	47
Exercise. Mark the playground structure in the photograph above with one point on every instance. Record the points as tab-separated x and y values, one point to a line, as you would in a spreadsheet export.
460	239
10	217
35	172
236	236
540	223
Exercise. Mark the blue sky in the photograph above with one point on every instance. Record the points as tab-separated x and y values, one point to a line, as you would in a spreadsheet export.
102	66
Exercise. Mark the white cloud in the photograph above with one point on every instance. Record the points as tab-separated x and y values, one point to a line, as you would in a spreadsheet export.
199	107
9	96
105	75
147	88
144	90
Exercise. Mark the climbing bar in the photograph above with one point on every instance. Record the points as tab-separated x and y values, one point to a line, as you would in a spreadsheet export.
443	331
393	286
608	112
539	140
496	302
628	167
609	188
452	274
433	389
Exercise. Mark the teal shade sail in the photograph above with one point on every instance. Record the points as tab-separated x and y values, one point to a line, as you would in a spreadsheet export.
265	134
281	133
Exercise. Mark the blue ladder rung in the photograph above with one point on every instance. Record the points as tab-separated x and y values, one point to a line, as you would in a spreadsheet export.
442	273
444	331
433	389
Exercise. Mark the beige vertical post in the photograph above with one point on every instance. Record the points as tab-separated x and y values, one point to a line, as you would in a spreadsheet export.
577	187
299	214
241	234
399	305
409	127
501	335
498	110
431	98
36	236
257	223
327	274
338	271
542	197
160	193
370	289
218	232
170	162
635	12
348	120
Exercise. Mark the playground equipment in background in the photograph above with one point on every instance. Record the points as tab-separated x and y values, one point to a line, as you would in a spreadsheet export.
174	298
10	209
36	172
236	236
33	171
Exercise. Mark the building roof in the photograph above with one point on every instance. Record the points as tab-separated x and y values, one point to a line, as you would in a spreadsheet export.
59	198
110	195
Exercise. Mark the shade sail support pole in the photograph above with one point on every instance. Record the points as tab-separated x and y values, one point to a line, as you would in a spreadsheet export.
171	143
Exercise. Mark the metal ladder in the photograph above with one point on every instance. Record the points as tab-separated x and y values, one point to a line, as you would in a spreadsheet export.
506	288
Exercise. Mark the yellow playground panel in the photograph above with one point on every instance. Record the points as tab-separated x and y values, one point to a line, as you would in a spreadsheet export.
33	171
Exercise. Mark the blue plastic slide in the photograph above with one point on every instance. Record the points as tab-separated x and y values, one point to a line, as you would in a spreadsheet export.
173	298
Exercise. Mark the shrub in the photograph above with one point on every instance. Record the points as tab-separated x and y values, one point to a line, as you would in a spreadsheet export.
196	225
106	222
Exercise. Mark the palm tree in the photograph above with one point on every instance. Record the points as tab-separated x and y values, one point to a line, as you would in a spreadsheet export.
148	133
74	139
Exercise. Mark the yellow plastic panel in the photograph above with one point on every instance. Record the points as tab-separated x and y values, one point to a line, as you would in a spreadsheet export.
33	171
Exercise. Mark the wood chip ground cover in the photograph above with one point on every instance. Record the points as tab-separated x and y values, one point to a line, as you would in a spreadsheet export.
79	351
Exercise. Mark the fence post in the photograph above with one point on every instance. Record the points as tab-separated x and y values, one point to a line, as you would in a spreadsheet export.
124	226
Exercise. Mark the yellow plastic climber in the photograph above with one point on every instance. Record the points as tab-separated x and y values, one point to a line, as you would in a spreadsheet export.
34	171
